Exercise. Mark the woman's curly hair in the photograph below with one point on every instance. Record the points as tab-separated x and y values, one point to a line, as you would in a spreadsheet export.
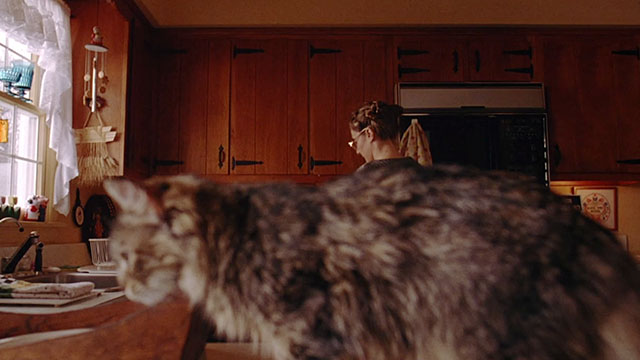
382	118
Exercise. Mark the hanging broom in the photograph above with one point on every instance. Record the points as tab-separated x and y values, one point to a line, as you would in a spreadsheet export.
94	162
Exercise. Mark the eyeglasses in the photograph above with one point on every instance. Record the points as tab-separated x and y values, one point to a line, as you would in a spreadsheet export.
353	143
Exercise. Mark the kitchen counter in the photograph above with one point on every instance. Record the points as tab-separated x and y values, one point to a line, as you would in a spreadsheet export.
120	329
101	298
31	319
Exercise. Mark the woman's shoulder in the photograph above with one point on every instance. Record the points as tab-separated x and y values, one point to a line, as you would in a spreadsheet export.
402	162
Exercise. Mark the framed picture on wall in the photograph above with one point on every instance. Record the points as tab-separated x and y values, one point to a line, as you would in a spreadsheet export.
599	204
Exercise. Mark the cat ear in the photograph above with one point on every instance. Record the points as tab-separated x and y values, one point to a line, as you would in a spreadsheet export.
130	197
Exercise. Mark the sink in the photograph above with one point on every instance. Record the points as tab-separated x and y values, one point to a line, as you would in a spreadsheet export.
101	281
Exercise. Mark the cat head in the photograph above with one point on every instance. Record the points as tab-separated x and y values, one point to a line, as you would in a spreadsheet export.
156	240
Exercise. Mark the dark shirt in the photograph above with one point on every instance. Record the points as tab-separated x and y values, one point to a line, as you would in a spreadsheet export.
400	163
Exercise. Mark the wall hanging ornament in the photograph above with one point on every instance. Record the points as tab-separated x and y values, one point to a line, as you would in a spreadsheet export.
94	162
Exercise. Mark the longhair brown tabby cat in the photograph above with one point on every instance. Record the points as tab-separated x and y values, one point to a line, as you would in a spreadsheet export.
435	263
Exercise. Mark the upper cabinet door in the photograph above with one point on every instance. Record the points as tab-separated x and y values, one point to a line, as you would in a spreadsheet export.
500	58
343	75
297	107
429	58
625	56
219	67
266	136
578	77
193	106
171	58
141	126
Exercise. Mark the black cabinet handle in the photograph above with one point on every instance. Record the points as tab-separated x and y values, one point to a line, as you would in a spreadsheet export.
220	156
300	156
557	159
635	52
526	70
629	161
314	50
526	52
410	70
313	163
477	61
455	61
239	51
410	52
235	162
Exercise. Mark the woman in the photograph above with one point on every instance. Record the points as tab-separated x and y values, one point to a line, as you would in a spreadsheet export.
375	134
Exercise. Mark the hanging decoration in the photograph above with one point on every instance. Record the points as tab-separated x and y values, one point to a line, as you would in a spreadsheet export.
94	162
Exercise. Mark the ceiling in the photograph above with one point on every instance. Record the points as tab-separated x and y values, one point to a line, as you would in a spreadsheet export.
249	13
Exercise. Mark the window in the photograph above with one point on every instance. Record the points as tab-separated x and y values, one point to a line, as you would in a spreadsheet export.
22	138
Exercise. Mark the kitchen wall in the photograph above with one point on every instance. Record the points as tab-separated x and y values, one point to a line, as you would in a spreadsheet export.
628	212
115	30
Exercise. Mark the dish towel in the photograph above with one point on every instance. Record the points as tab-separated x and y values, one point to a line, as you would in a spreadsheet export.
19	289
415	144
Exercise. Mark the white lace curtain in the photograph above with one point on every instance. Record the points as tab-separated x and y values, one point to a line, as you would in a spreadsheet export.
43	25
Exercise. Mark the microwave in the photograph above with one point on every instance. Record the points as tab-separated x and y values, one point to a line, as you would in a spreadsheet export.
492	126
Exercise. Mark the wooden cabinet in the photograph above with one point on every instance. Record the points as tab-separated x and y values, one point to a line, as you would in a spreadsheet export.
500	58
430	58
461	58
343	74
592	92
218	104
191	107
166	110
625	58
140	125
181	107
192	87
218	80
267	136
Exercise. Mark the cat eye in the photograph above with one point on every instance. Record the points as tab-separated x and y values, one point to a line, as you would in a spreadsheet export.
354	142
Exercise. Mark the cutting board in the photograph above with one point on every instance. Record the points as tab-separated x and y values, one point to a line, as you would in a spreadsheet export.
47	302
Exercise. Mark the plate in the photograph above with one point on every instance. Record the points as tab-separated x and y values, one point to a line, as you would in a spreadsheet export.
46	302
92	269
41	336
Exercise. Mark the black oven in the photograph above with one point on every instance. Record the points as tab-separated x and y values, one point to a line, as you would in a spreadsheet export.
493	126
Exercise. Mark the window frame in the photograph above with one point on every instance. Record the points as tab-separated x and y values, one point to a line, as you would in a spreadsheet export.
46	158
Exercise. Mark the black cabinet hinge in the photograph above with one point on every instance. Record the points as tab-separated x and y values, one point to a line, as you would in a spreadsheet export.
313	163
629	161
635	52
314	50
238	51
526	52
410	70
235	163
410	52
525	70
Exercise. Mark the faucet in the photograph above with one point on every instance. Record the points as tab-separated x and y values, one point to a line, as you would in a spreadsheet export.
9	264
